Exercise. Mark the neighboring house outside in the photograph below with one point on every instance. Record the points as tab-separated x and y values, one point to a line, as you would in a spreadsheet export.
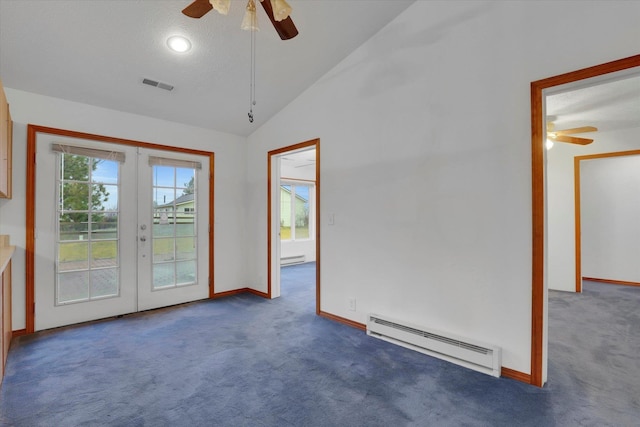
184	209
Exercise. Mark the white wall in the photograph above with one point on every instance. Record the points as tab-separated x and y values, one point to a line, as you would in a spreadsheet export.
560	201
432	116
610	208
230	154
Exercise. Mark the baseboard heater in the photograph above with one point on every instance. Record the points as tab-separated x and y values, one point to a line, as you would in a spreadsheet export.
288	260
461	351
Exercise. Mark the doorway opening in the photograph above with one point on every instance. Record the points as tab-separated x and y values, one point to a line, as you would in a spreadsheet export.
293	211
607	204
540	258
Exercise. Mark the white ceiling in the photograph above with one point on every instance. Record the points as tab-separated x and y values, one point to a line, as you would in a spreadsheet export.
97	52
608	104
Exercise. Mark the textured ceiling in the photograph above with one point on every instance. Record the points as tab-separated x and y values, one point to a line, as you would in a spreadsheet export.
97	52
613	104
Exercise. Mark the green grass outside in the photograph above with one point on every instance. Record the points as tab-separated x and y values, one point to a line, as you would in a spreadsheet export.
108	249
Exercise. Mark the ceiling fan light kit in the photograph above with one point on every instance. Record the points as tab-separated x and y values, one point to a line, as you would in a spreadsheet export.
250	20
281	9
278	12
221	6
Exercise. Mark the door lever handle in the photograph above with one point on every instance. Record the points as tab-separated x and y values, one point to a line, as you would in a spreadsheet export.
143	238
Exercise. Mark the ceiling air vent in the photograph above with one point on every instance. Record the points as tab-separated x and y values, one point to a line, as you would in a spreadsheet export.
157	84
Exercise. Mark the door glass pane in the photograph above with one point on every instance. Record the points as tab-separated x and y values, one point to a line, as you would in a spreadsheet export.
87	255
163	223
73	256
185	178
106	172
186	226
104	282
163	276
163	249
174	218
104	254
73	287
163	176
163	198
185	248
104	226
106	197
68	230
186	272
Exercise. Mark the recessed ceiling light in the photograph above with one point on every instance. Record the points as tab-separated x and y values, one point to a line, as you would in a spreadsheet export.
179	44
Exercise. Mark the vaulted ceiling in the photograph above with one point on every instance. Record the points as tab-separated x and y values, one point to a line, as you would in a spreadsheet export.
98	52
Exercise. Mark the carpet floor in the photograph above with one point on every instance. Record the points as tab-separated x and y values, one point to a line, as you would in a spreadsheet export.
247	361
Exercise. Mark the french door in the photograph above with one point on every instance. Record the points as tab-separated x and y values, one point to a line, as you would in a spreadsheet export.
119	229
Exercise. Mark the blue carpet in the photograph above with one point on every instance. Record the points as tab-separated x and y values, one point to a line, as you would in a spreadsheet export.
247	361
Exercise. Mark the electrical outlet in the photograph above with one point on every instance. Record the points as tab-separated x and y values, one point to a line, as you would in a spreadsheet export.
352	304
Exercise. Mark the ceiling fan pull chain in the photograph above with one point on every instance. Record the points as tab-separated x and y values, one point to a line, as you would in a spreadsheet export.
252	78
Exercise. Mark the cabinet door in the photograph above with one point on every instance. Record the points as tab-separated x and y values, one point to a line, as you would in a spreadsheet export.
5	147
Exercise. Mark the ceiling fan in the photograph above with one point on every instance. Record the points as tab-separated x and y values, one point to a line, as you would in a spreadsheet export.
564	135
280	19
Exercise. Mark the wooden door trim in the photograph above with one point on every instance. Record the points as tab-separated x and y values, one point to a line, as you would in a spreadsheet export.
577	210
538	197
32	132
306	144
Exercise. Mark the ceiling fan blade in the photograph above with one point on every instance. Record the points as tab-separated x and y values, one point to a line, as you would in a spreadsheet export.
583	129
197	9
572	139
286	28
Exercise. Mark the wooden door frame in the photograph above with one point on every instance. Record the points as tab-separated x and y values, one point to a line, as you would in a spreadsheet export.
578	214
32	133
313	143
538	300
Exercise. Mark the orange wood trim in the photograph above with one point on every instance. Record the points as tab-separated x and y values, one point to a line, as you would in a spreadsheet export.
607	155
589	72
611	282
306	144
577	222
114	140
32	131
30	225
229	293
537	288
343	320
298	146
515	375
240	292
538	208
19	333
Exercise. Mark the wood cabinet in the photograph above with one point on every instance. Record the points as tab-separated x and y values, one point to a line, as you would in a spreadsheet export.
6	140
6	251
